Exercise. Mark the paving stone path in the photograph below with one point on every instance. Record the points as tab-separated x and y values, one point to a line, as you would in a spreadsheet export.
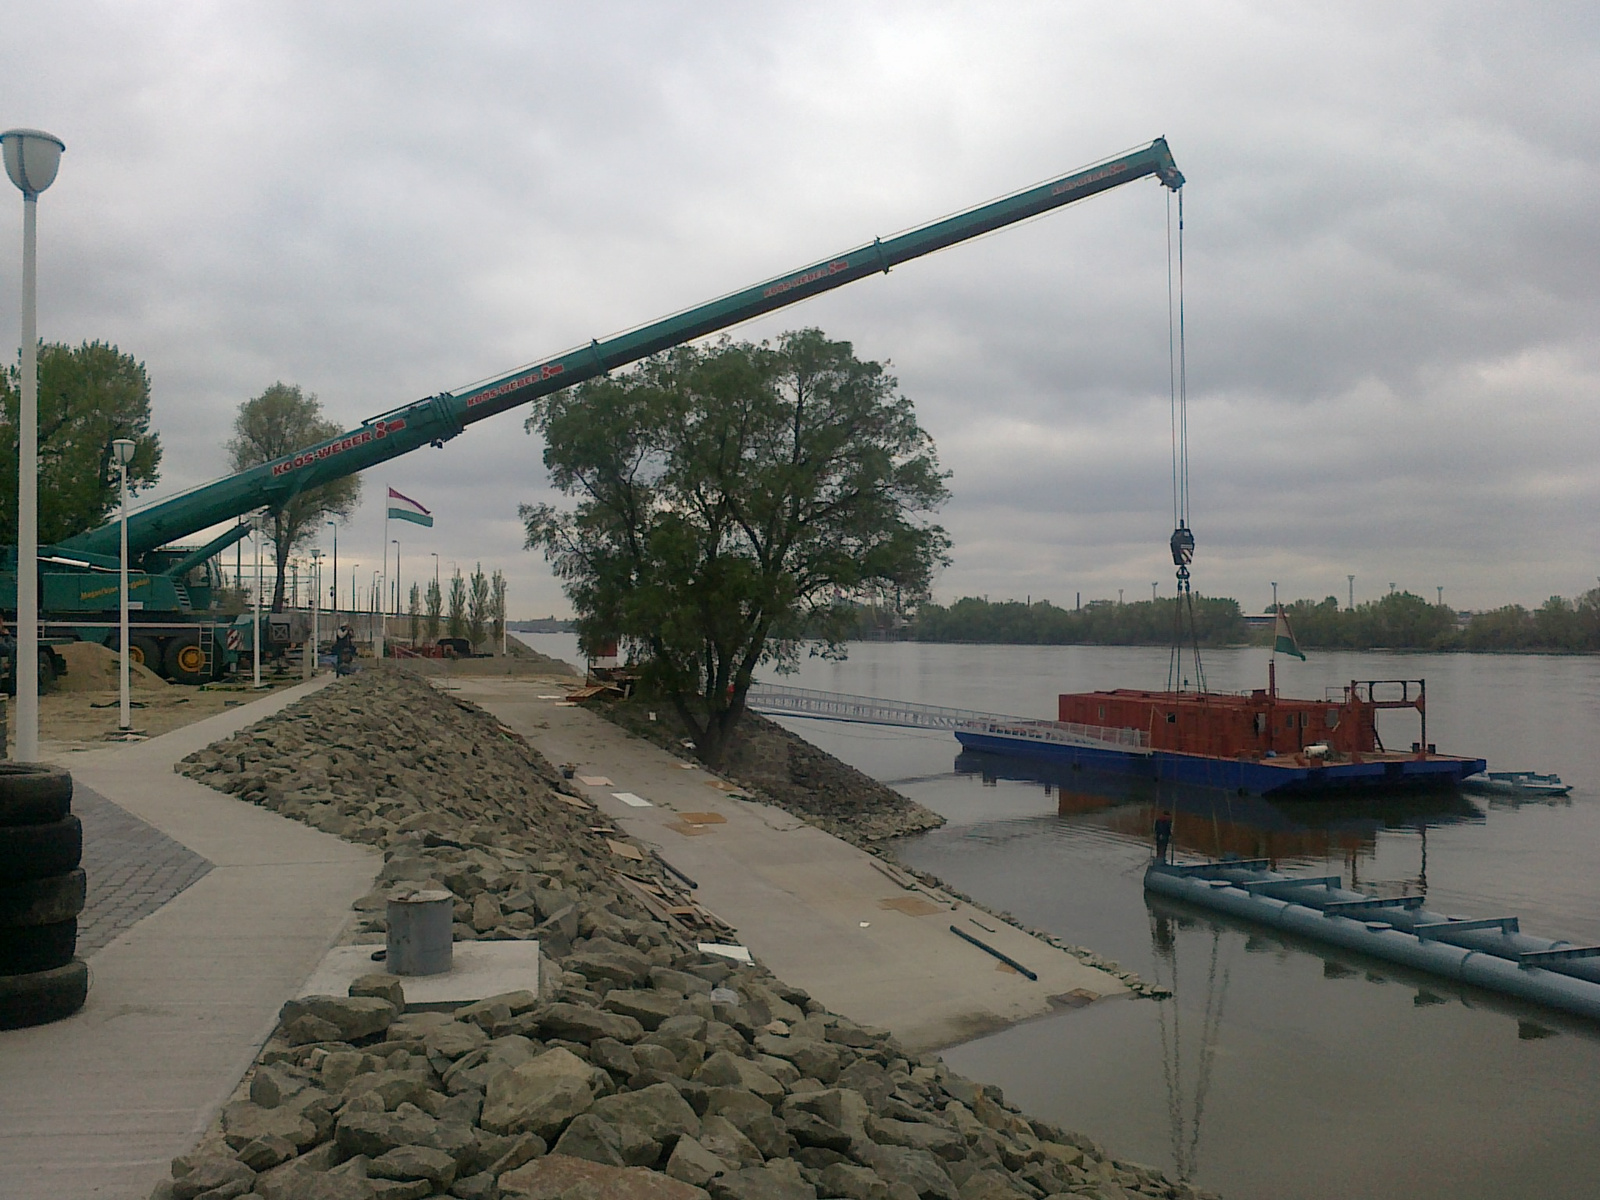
133	869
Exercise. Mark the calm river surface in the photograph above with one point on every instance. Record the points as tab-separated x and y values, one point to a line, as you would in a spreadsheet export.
1277	1070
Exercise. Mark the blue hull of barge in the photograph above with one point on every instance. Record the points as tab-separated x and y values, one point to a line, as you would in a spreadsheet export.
1198	770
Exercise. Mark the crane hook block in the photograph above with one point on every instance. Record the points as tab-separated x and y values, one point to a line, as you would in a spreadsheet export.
1182	546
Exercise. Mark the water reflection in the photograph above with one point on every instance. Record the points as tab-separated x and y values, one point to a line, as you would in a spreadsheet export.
1214	823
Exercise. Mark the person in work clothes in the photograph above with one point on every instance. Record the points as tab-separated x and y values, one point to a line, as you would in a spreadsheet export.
1163	835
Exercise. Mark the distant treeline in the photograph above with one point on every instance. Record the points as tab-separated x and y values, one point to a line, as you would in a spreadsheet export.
1398	621
1402	621
1098	623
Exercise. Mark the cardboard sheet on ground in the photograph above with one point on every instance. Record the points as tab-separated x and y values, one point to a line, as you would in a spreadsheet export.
625	850
595	781
912	906
703	818
737	953
631	800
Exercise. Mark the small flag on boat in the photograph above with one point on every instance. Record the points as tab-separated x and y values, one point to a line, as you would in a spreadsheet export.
1283	637
404	508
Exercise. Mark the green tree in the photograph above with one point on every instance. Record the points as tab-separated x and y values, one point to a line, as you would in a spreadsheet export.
414	610
280	421
727	495
497	607
456	620
435	606
89	396
478	606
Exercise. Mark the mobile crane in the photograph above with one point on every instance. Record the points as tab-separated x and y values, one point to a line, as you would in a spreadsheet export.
175	627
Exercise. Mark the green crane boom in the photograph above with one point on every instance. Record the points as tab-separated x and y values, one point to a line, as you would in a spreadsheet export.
437	419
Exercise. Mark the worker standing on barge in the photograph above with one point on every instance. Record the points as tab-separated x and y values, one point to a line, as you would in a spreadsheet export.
1163	835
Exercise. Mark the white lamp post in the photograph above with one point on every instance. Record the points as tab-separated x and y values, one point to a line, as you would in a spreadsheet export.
256	523
316	604
31	159
122	453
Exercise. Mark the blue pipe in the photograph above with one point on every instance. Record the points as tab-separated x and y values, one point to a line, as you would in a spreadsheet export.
1485	958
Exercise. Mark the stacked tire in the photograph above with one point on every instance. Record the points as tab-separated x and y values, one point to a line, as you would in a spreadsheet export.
41	895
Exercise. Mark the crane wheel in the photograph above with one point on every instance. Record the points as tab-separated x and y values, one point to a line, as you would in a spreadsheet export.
185	659
145	651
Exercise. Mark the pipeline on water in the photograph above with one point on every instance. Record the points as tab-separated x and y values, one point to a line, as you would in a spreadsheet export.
1491	953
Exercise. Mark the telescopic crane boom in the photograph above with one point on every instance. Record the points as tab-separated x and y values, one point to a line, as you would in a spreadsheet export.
437	419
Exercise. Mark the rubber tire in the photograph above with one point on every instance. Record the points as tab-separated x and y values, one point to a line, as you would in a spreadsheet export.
145	651
184	647
29	949
40	851
43	996
47	670
33	794
43	901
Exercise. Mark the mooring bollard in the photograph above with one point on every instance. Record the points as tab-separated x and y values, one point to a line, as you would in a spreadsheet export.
419	932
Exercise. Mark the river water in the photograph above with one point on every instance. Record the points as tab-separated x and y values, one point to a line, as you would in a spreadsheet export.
1277	1069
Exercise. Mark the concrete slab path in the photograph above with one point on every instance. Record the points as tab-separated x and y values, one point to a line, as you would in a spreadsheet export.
818	911
180	1002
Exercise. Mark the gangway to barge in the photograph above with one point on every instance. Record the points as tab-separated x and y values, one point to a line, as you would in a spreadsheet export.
776	699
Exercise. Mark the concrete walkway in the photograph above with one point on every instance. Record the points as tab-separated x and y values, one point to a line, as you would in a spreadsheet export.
181	1002
818	911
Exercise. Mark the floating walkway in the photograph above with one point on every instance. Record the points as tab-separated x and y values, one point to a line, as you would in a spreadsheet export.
1490	952
965	722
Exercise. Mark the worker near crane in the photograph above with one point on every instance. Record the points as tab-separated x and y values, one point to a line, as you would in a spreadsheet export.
344	651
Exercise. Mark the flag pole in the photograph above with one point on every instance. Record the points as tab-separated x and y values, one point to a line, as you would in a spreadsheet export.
377	640
1272	662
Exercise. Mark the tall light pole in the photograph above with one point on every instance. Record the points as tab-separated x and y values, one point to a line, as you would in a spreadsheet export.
396	542
122	453
315	587
1352	581
334	525
256	524
31	158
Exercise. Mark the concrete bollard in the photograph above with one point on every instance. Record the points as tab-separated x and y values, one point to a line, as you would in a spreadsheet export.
419	932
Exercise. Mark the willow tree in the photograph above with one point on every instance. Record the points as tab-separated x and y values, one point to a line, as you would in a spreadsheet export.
731	500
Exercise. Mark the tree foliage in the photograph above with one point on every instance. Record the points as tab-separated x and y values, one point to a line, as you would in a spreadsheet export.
479	602
456	618
280	421
435	606
414	611
727	496
89	396
497	607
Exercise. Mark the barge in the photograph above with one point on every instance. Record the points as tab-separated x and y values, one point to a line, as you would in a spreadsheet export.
1258	742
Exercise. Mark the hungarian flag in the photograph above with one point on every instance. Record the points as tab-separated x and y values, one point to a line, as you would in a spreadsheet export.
404	508
1283	637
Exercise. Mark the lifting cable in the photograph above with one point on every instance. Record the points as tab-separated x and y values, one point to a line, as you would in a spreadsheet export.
1182	543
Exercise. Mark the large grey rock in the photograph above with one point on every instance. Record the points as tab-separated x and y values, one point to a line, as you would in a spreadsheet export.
384	986
943	1143
724	1070
647	1006
760	1183
243	1122
580	1023
558	1175
612	961
681	982
306	1030
392	1088
753	1117
265	1152
375	1134
841	1107
454	1040
811	1130
693	1163
992	1185
658	1111
210	1173
917	1168
611	1055
271	1086
727	1141
851	1182
415	1162
588	1137
540	1096
819	1060
354	1016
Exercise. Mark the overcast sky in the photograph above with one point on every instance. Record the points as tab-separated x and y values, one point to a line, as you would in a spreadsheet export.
1392	259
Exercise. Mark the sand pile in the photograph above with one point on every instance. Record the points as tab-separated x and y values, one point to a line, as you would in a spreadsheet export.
94	668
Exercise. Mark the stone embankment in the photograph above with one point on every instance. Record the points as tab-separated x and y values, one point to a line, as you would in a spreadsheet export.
644	1068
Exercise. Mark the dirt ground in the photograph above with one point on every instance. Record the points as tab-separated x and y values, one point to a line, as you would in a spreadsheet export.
81	710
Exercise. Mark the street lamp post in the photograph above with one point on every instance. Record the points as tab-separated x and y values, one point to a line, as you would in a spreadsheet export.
396	542
122	452
334	595
31	159
316	604
255	636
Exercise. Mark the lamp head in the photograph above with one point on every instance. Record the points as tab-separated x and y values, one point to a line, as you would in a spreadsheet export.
31	157
122	451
